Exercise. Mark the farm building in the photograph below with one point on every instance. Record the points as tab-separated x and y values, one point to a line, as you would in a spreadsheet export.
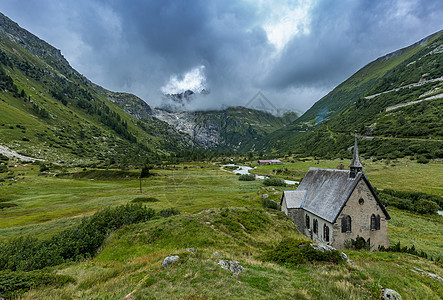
337	206
269	162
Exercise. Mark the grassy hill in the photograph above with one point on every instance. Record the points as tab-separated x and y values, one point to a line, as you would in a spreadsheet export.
50	111
365	102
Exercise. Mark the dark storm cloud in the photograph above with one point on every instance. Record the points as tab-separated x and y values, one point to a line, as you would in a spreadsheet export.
346	35
137	46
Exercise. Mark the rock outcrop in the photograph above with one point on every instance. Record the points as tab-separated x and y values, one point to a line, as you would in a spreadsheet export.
231	265
169	260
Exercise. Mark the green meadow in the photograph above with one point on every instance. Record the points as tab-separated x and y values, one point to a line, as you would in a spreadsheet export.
213	202
401	174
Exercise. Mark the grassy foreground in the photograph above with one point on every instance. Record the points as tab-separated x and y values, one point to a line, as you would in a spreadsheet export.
213	204
130	263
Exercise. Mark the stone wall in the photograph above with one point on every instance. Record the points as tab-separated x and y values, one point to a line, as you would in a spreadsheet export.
318	237
295	214
361	219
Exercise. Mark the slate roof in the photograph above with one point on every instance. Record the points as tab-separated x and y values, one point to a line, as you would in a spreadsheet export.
294	199
269	161
328	190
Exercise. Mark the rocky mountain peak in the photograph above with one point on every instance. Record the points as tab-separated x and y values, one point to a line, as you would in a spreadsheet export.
32	43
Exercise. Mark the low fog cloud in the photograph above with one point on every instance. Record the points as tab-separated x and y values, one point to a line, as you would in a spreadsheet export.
294	52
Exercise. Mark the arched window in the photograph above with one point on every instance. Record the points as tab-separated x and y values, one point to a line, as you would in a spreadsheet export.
308	222
373	222
326	233
348	224
315	225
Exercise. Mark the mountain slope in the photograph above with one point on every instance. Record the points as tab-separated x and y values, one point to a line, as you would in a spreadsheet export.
231	129
394	102
50	111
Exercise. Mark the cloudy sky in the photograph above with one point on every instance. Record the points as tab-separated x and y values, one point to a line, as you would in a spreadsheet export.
295	52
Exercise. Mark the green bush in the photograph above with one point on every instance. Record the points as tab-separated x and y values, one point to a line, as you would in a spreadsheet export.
422	160
44	168
274	182
73	244
267	203
165	213
293	252
144	200
411	250
4	158
425	206
12	284
3	168
412	201
246	177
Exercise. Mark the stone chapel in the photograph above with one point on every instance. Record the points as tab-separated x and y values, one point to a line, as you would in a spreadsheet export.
336	206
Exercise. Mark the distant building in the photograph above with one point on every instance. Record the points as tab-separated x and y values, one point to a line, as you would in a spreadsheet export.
269	162
334	206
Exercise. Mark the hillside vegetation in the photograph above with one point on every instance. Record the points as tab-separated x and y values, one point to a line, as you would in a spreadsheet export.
50	111
366	103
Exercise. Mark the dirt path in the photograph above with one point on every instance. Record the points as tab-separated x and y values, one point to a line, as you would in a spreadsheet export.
439	96
405	86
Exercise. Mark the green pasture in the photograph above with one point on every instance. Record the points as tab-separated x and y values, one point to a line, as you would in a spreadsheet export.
48	203
212	202
401	174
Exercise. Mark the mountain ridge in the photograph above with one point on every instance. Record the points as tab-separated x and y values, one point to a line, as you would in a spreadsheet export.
50	111
326	128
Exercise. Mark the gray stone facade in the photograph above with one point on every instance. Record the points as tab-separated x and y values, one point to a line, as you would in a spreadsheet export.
324	216
338	206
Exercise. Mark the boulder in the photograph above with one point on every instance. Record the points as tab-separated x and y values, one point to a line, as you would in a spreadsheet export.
346	259
169	260
389	294
322	247
231	265
265	196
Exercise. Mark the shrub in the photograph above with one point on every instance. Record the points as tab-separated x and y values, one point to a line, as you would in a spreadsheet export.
425	206
73	244
411	250
267	203
274	182
247	177
293	252
422	160
412	201
12	284
44	168
165	213
3	168
145	171
144	200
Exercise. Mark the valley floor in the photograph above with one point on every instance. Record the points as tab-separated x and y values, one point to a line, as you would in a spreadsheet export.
212	203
